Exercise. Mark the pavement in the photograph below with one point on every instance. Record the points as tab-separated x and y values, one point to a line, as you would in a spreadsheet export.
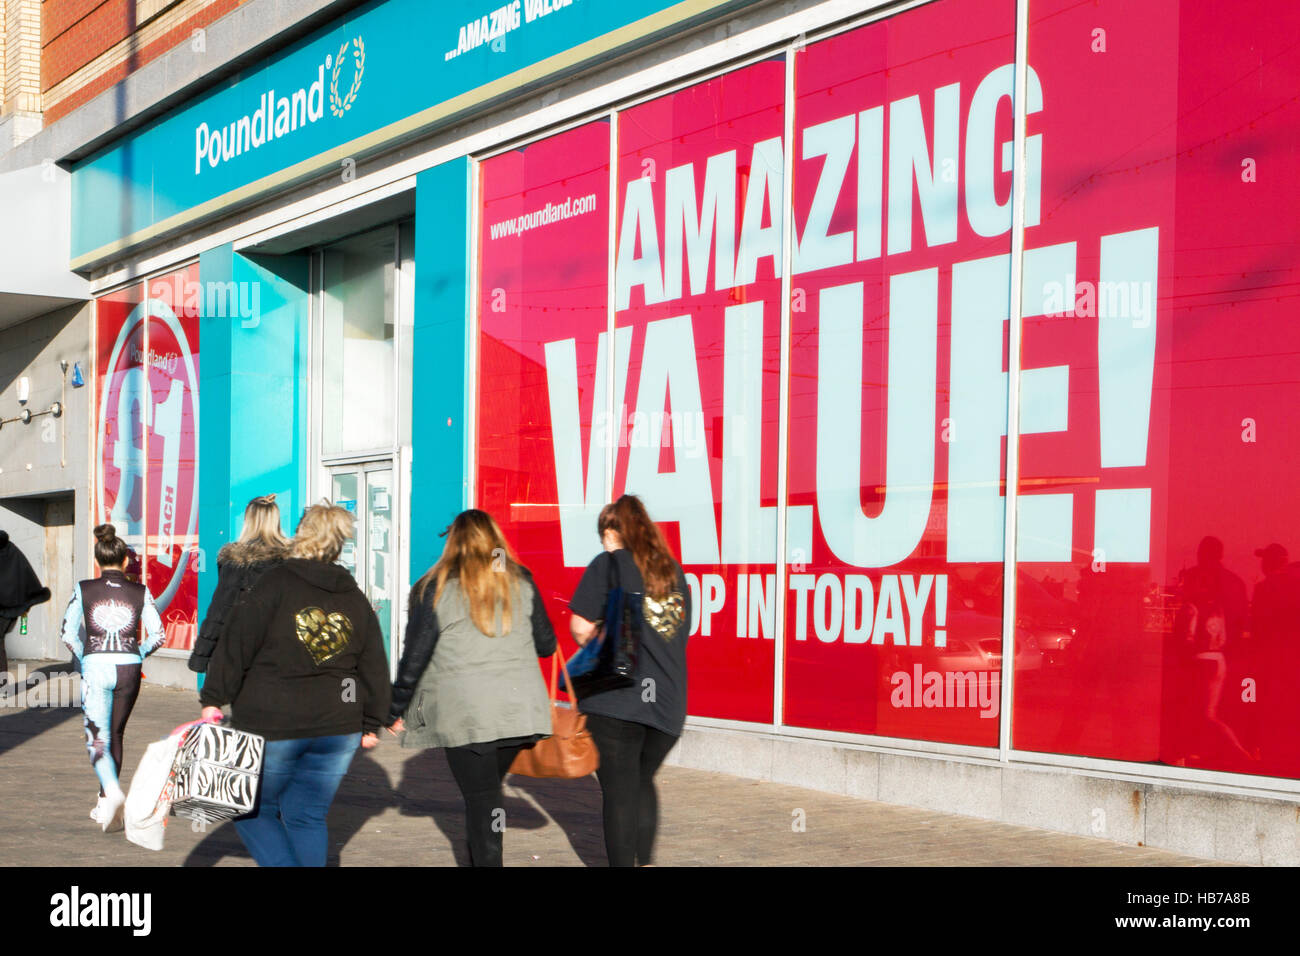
402	808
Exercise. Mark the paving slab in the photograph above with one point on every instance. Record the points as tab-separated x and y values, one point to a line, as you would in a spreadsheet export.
401	808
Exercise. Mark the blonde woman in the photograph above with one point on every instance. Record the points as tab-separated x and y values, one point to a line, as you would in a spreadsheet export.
468	680
302	663
240	564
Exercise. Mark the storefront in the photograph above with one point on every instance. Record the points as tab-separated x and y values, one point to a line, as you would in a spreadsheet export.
1048	332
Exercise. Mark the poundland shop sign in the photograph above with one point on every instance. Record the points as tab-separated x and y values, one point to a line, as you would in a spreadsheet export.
389	70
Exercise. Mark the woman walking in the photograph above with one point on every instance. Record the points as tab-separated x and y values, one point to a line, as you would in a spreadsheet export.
635	727
468	680
302	663
240	564
101	627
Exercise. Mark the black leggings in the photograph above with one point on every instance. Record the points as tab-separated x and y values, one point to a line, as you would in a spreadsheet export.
108	694
630	756
479	774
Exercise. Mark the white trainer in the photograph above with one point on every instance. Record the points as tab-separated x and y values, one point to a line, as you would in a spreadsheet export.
111	817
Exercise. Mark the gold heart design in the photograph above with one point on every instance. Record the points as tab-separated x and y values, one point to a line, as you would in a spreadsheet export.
324	636
665	616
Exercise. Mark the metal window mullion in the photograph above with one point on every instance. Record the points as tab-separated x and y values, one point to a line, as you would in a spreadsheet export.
613	431
783	408
1009	575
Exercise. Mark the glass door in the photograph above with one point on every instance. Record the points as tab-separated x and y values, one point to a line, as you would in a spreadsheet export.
367	490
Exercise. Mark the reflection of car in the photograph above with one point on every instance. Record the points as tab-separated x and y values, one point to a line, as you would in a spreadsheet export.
974	643
1053	641
1051	623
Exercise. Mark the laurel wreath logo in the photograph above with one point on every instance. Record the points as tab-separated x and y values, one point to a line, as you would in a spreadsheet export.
340	105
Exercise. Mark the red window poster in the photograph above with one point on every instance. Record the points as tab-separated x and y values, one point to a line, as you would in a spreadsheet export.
1157	595
900	282
543	279
148	438
1169	157
697	303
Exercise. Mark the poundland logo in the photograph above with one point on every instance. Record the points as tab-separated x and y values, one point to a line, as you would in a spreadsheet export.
280	116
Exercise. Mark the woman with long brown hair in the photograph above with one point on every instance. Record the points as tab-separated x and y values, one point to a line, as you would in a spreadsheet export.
468	679
636	726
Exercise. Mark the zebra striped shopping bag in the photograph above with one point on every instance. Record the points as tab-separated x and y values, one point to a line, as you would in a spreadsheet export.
216	773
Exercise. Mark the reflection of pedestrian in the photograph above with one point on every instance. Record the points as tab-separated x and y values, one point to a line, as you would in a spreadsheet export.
20	590
1275	630
1208	629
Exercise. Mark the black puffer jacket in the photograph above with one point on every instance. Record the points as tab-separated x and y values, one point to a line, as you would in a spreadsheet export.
239	567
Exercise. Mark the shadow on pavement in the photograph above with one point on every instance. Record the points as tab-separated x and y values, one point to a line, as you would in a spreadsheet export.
364	793
429	789
574	805
25	706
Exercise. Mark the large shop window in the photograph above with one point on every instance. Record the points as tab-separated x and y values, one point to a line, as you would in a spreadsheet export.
697	301
898	331
543	292
1165	508
1157	606
147	365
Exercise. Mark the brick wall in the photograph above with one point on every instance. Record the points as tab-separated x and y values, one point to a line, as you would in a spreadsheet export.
89	45
20	53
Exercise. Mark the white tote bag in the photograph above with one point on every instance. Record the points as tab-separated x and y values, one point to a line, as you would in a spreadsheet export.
149	801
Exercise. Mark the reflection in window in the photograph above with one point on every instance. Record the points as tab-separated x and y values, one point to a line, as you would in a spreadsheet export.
358	348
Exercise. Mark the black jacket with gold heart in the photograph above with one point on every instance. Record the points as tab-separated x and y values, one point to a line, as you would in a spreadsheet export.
302	656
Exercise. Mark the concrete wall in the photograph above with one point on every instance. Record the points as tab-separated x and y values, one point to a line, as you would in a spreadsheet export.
1230	828
47	457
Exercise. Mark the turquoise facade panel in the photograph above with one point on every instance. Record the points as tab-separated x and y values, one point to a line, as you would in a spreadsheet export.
254	404
383	71
439	394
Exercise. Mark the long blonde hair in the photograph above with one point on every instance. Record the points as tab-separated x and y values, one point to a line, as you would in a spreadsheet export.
477	554
321	532
262	523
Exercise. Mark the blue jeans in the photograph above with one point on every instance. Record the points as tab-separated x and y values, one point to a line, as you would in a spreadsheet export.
299	780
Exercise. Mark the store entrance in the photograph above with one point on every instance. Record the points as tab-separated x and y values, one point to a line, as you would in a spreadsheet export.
367	490
362	334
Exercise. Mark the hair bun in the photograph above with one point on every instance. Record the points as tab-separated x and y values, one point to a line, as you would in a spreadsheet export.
105	532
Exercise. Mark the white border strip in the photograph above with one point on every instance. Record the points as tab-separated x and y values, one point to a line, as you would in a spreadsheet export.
1010	564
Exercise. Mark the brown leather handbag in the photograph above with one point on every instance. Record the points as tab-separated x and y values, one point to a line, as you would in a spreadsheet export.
570	752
